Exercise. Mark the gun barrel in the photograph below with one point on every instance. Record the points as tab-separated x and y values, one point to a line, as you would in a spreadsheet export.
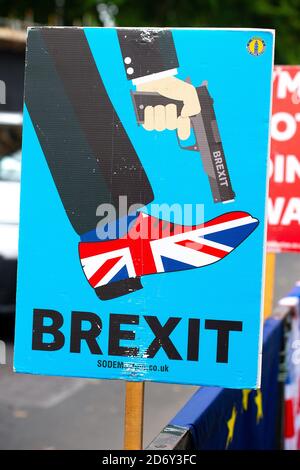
209	144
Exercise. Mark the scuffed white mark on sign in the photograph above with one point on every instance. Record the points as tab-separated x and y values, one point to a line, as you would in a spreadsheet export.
148	35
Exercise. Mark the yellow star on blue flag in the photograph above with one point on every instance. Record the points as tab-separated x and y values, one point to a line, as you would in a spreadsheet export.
259	405
231	426
245	399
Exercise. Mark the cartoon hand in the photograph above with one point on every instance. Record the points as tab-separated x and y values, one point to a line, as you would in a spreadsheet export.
160	117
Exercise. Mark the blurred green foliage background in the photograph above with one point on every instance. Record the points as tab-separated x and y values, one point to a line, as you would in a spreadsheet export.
282	15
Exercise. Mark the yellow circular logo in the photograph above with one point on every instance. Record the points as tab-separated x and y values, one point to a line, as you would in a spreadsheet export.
256	46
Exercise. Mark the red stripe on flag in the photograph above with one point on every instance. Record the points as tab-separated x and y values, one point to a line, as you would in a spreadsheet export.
87	249
103	270
208	250
142	258
225	218
289	425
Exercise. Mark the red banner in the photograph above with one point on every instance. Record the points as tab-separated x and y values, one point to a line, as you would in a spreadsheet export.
284	192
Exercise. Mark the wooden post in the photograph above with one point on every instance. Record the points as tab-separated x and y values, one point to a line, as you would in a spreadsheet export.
269	283
134	416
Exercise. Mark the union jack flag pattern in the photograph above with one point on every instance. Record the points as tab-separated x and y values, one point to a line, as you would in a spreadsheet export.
154	246
292	384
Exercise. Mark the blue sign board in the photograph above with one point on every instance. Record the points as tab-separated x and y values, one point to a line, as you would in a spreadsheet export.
143	191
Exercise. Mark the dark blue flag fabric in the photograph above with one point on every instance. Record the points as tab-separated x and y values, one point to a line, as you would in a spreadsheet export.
220	418
292	383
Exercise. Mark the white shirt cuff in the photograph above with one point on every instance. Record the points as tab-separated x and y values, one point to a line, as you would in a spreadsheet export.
154	76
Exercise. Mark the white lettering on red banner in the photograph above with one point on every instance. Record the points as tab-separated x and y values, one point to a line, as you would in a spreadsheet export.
284	190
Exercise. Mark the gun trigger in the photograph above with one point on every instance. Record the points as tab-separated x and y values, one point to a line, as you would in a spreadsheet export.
193	148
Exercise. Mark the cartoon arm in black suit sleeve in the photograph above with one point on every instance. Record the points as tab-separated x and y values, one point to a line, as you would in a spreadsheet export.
151	62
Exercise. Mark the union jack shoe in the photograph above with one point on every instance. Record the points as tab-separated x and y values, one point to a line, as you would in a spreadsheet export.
151	246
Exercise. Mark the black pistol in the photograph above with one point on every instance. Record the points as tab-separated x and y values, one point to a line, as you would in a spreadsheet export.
207	137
